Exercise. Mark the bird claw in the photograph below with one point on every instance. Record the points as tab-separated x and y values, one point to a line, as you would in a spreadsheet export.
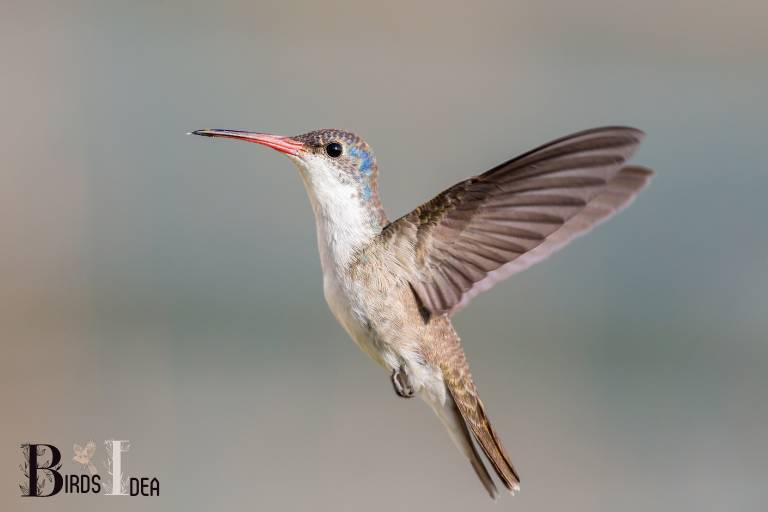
402	383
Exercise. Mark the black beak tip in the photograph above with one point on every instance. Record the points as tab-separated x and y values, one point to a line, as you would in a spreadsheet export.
200	132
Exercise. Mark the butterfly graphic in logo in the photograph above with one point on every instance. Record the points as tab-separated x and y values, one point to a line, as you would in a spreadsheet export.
83	455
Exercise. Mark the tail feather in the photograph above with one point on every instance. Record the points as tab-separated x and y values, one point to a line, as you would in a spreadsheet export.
451	417
473	413
463	395
467	413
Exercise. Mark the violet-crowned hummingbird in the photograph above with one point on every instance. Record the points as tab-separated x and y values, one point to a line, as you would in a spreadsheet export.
394	285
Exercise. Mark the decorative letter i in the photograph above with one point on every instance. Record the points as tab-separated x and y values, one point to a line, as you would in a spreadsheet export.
114	467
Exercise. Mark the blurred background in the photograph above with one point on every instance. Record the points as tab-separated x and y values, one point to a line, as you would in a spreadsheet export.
166	289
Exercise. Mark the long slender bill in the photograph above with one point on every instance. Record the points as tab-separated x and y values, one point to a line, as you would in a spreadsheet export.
280	143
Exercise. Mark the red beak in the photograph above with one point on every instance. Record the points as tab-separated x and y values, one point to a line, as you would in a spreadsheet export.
283	144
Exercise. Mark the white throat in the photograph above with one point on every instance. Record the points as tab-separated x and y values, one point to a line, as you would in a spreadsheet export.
343	224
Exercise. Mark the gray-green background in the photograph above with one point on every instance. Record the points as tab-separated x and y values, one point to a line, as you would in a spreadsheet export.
166	289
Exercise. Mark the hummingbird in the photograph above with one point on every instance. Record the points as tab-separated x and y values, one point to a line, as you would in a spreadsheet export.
394	286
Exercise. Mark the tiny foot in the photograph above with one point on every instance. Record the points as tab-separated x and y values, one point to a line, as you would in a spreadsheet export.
402	384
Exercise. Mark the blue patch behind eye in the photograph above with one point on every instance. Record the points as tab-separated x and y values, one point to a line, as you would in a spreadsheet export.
365	170
366	164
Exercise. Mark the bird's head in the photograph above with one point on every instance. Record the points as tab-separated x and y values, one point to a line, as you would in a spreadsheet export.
334	164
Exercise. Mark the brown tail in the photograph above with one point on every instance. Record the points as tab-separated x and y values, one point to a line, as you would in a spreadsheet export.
451	417
459	382
473	412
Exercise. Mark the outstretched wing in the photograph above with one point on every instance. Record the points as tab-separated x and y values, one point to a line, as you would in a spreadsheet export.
491	226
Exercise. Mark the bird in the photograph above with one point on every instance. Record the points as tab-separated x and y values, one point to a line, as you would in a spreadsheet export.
83	456
394	285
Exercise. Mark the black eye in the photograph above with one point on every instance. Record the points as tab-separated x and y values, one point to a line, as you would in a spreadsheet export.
334	150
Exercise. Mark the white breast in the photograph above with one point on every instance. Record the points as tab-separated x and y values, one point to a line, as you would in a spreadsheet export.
348	311
343	227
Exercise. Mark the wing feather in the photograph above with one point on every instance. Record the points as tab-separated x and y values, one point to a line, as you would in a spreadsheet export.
491	226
